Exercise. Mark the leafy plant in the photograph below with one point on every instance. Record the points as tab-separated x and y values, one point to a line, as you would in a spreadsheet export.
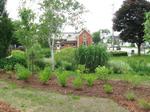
21	72
145	104
78	82
45	75
90	79
102	73
108	88
130	96
62	78
119	67
92	56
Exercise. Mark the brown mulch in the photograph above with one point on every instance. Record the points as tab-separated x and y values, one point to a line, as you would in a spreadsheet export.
119	89
4	107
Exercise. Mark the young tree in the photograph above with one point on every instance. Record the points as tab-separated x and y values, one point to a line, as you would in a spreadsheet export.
6	30
129	21
57	14
147	27
96	37
26	32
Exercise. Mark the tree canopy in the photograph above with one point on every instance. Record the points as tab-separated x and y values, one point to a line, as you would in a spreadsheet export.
147	27
129	21
6	30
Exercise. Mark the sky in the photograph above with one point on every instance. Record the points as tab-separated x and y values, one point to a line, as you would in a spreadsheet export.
99	16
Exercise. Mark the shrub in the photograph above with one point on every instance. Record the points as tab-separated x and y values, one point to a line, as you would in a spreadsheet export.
130	96
77	83
90	79
139	66
119	67
46	52
21	72
67	66
102	73
108	88
81	69
62	78
18	54
118	53
144	104
91	56
65	55
45	75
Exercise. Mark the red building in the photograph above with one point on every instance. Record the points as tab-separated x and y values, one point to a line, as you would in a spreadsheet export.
74	40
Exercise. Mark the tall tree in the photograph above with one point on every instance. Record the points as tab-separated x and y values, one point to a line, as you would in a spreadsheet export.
129	21
57	14
6	30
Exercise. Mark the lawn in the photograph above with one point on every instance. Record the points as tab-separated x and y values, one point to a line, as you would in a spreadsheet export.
33	100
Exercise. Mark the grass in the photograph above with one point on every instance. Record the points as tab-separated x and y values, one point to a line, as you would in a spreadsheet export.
31	100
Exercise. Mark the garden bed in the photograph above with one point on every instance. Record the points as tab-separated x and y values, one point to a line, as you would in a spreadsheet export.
7	108
119	89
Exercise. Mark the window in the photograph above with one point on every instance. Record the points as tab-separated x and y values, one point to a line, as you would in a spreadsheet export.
84	40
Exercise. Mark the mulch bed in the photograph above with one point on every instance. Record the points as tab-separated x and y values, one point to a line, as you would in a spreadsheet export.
4	107
120	88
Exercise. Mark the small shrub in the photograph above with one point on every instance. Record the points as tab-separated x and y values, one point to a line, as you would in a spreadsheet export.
130	96
46	52
81	68
144	104
22	73
90	80
102	73
119	67
18	54
62	78
77	83
108	88
67	66
45	75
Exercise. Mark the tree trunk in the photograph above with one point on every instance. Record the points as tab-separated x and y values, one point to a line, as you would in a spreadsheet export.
139	49
51	45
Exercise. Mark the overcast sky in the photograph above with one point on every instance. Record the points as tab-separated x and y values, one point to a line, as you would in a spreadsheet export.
99	16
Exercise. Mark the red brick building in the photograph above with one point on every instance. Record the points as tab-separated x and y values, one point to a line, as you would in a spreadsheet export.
74	40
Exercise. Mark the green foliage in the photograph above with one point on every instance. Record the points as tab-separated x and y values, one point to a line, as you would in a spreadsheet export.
119	67
102	73
118	53
147	27
90	79
145	104
108	88
45	75
62	78
140	66
21	72
65	58
91	56
81	69
78	82
46	52
18	54
130	96
129	21
96	37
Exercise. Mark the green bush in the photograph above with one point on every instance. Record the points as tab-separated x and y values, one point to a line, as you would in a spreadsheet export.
81	69
145	104
78	83
119	67
118	53
62	78
21	72
45	75
140	66
65	55
46	52
130	96
18	54
108	88
90	79
92	56
102	73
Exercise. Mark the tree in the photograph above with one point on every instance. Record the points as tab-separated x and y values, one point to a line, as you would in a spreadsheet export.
129	21
56	15
96	37
26	34
6	30
147	27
